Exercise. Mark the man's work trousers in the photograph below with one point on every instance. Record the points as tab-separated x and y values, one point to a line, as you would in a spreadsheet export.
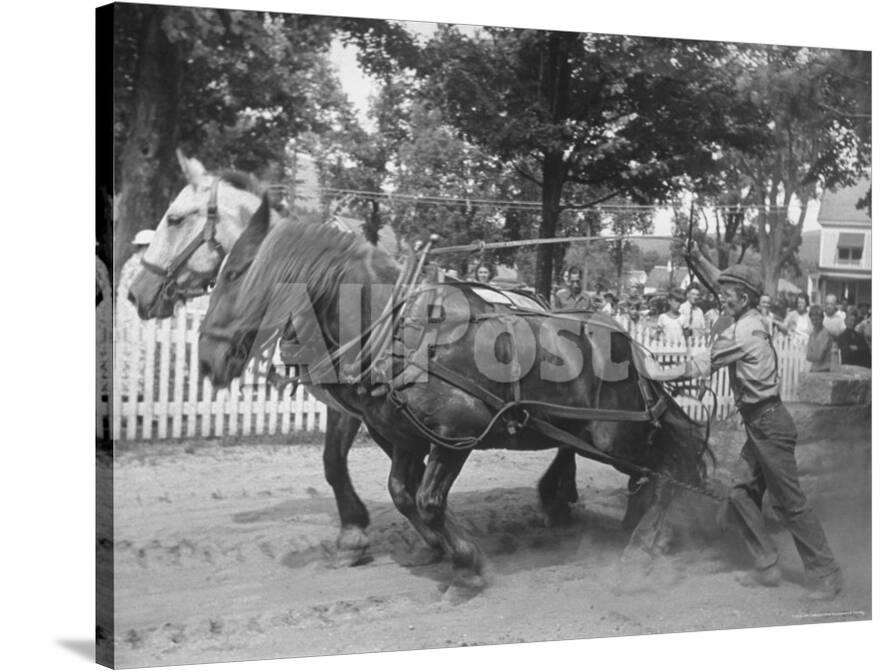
768	464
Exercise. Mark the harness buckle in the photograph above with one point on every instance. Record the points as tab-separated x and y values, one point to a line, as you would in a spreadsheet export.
513	425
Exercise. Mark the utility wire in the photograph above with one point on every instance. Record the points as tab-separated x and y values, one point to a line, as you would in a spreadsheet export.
518	204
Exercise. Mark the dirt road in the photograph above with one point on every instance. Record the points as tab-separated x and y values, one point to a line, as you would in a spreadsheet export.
225	553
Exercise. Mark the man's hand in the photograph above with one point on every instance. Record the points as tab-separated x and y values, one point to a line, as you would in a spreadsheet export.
654	371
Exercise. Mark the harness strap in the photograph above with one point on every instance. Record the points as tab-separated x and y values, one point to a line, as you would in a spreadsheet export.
567	438
561	436
551	409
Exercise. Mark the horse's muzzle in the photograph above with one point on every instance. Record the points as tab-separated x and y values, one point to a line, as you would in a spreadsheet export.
221	361
148	295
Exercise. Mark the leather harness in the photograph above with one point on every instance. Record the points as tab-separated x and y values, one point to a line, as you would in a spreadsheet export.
517	413
170	289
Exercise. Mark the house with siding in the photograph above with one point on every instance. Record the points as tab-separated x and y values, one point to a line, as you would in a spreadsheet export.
845	254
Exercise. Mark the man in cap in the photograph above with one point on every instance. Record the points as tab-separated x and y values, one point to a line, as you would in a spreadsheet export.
767	458
573	297
691	313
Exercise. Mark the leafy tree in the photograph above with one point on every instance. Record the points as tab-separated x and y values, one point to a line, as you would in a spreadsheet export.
357	160
235	87
815	104
588	117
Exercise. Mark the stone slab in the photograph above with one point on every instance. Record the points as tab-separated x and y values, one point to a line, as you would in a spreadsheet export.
850	385
830	438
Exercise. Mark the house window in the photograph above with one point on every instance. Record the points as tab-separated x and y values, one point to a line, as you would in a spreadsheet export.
850	249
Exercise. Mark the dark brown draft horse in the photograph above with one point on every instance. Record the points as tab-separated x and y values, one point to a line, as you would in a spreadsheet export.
556	489
341	426
451	359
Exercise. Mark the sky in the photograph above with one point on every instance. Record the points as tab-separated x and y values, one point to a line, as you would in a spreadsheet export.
359	87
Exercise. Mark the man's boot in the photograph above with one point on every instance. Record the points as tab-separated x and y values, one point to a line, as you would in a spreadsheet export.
762	577
826	588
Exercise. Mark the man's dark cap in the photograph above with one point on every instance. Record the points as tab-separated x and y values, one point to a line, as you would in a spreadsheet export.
743	276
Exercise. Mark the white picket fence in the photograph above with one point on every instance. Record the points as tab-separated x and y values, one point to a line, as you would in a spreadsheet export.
156	393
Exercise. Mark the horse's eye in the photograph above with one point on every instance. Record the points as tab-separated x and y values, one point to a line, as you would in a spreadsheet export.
174	219
232	275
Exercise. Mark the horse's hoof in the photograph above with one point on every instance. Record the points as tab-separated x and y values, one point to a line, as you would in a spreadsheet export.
352	548
348	558
465	586
424	556
558	516
635	558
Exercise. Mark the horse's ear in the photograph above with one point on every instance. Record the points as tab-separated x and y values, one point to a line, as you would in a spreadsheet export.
260	220
192	168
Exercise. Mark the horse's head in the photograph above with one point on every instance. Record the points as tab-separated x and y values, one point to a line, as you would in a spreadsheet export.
216	335
293	289
190	242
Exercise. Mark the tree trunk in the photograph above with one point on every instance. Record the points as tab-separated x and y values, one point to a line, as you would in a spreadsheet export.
553	179
148	166
555	89
374	222
720	240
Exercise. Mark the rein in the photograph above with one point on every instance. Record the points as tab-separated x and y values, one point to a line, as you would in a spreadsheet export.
170	289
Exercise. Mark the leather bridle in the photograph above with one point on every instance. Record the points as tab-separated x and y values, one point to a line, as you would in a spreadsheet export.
170	289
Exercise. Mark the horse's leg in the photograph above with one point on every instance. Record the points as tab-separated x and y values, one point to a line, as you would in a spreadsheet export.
652	534
557	488
444	465
407	467
353	544
640	497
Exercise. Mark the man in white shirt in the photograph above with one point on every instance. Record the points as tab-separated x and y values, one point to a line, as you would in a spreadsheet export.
833	319
692	317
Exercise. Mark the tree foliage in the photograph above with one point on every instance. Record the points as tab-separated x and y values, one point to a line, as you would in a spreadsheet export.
235	87
589	116
815	103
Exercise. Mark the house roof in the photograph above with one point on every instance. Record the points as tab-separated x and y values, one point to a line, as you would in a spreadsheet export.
659	278
659	246
840	205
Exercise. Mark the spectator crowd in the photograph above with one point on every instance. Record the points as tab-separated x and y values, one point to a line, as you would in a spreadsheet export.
834	333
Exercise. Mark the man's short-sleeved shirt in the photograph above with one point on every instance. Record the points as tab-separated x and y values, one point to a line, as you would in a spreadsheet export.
565	300
834	324
692	318
746	348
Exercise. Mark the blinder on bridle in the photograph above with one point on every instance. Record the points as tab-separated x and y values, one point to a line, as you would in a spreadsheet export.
170	289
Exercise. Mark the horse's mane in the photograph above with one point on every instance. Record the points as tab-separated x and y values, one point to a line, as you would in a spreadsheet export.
308	253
